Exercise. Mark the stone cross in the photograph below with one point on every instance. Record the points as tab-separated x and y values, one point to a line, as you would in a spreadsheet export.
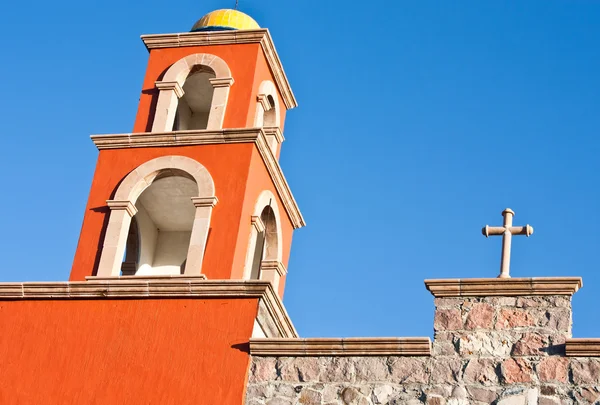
507	231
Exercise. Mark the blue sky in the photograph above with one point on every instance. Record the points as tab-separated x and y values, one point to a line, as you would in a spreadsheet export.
419	122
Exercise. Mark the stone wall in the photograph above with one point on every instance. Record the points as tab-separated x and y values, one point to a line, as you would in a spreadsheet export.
486	350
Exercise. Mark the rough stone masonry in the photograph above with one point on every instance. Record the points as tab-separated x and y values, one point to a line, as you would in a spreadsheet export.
495	342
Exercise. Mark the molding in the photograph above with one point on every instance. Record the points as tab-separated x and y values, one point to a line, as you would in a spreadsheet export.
175	86
257	223
126	205
582	347
273	265
341	347
511	287
221	82
276	132
259	36
264	102
211	137
133	287
205	201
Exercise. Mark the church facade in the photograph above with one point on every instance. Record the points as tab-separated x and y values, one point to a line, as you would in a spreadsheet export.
175	294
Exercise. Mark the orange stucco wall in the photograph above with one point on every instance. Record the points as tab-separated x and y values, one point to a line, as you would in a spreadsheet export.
155	351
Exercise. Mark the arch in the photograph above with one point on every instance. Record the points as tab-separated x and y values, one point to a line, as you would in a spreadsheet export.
267	90
191	239
265	245
139	179
264	200
180	70
171	90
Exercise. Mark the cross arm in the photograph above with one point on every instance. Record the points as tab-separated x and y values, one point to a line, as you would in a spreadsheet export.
526	230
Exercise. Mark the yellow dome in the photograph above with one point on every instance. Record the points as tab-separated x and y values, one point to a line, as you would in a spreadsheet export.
220	20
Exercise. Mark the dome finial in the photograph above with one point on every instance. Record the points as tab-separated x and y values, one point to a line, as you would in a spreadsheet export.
237	3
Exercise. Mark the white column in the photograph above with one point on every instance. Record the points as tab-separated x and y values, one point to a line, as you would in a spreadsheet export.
257	226
195	256
216	115
166	107
115	239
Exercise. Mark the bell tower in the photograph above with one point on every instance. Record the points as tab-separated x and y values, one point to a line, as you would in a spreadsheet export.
196	190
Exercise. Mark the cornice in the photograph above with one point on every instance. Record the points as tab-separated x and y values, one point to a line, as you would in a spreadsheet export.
582	347
133	287
341	347
209	137
261	36
511	287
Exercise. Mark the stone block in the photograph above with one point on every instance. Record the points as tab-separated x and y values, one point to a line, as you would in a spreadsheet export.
481	371
447	371
530	344
447	319
300	369
486	395
371	369
514	318
585	371
553	369
480	316
487	344
408	370
264	369
310	397
516	370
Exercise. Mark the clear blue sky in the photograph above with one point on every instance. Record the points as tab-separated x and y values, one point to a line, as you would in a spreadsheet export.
419	122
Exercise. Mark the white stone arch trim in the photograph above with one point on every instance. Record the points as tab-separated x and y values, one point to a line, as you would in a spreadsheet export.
171	89
265	199
266	88
123	209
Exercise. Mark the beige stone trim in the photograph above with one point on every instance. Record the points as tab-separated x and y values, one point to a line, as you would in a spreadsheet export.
211	137
476	287
221	81
274	132
341	347
257	223
272	271
583	347
263	101
261	36
174	86
274	265
156	288
122	205
205	201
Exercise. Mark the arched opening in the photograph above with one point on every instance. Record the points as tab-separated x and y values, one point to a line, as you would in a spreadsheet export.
270	115
267	242
163	226
193	109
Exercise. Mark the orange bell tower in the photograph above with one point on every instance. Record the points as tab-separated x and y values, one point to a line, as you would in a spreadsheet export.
196	190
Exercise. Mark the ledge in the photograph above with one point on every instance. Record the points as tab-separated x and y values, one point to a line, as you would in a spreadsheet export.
583	347
341	347
259	36
506	287
210	137
156	288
